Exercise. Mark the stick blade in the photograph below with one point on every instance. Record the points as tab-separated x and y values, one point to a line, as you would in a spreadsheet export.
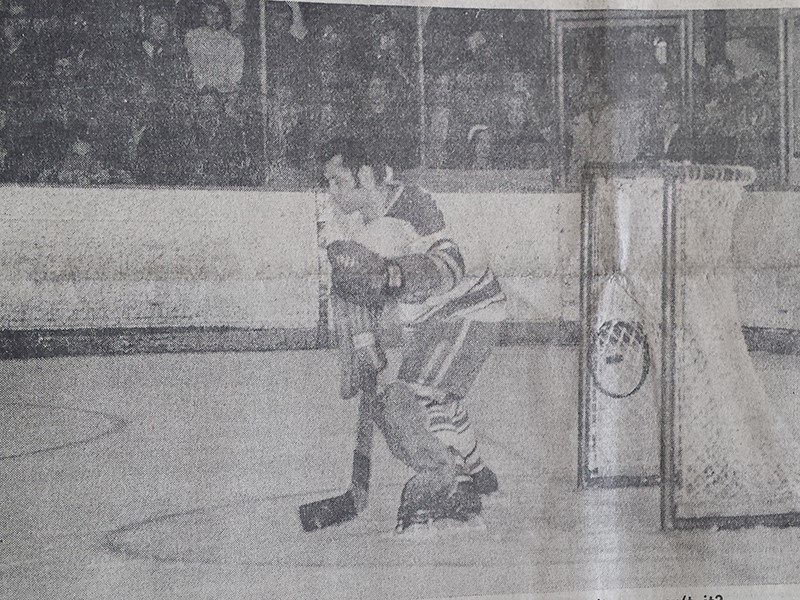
327	512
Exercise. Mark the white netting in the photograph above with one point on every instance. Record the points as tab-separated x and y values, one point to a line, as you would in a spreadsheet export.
735	453
624	389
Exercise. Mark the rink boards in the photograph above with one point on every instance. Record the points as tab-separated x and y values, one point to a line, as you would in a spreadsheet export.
78	259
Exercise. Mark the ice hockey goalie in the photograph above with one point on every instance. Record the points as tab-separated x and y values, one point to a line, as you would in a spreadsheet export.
390	252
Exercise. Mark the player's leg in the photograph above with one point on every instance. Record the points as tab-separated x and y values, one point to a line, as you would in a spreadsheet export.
450	422
434	491
441	361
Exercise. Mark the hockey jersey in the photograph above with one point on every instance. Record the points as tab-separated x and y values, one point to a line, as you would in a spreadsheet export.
413	224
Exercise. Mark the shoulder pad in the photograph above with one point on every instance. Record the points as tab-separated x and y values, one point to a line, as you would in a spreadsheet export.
417	207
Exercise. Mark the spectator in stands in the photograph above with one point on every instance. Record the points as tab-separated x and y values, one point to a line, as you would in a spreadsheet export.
189	16
386	120
80	166
63	102
288	60
158	57
439	121
481	150
663	119
284	117
478	83
334	81
737	120
6	171
717	116
157	141
607	130
216	55
522	133
385	52
15	127
18	56
217	153
758	125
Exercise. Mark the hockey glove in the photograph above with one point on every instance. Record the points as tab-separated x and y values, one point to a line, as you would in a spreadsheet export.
358	275
365	278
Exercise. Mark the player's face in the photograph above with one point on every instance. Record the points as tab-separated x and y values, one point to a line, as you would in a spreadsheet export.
348	196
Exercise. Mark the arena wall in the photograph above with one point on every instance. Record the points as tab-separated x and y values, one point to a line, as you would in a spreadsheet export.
145	258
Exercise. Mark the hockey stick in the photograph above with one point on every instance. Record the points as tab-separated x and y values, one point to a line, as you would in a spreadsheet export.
345	507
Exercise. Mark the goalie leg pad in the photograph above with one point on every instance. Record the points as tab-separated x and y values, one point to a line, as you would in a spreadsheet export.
449	421
403	420
441	360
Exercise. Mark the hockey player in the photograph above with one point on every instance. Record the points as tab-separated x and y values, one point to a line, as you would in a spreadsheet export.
393	255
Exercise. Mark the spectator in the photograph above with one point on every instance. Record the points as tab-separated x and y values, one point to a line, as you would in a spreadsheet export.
80	166
157	57
18	56
663	117
284	115
439	121
607	131
522	136
287	48
217	152
333	92
79	37
481	150
6	169
386	121
64	101
188	14
757	132
216	55
385	52
717	117
157	143
478	83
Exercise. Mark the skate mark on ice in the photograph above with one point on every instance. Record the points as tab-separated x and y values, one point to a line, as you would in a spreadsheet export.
266	531
30	419
535	530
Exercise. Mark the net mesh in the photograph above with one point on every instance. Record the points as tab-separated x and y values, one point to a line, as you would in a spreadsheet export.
735	454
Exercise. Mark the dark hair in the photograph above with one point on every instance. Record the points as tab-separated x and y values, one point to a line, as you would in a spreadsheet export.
223	8
355	154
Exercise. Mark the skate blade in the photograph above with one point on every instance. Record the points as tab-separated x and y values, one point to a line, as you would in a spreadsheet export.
437	529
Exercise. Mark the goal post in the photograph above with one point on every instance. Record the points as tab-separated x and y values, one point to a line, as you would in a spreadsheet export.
668	392
620	286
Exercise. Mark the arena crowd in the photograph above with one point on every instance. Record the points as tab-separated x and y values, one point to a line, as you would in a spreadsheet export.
192	92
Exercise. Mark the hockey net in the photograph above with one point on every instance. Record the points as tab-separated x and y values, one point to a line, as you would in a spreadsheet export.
701	423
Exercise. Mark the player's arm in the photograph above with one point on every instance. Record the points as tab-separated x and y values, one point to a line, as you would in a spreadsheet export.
416	277
365	278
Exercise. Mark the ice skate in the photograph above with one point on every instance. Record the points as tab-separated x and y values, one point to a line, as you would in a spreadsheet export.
459	511
485	481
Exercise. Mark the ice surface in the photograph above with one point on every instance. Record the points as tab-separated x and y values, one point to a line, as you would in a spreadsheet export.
184	479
